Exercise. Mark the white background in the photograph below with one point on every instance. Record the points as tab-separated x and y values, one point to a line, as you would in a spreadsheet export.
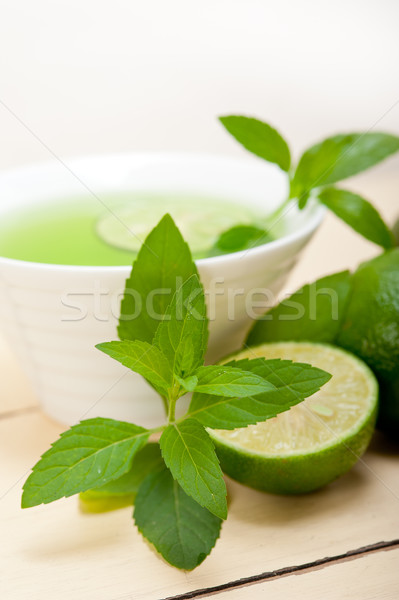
98	76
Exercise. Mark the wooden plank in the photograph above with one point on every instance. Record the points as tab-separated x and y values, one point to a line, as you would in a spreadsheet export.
102	557
370	577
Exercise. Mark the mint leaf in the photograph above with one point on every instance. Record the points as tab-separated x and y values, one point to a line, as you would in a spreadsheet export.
180	529
144	359
339	157
291	380
89	454
147	460
314	312
290	384
259	138
190	455
359	214
303	200
162	265
183	335
224	380
240	237
189	383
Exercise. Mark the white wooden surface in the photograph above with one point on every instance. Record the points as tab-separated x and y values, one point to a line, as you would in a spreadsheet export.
371	577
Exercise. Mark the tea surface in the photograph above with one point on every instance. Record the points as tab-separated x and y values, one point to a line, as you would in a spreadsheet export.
85	231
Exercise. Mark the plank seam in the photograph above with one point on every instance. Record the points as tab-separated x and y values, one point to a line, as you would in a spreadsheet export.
12	414
287	571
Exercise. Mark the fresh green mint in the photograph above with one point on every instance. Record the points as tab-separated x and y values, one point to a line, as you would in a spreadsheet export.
145	461
177	483
260	139
86	456
240	237
190	456
289	383
328	162
181	529
358	213
143	358
183	334
340	157
163	264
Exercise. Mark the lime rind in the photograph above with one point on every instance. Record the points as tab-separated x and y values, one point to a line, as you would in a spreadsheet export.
297	474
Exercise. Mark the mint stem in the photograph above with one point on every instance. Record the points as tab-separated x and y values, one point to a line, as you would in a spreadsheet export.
165	405
274	217
173	396
171	415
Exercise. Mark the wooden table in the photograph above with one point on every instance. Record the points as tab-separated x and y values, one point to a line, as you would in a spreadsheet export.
340	542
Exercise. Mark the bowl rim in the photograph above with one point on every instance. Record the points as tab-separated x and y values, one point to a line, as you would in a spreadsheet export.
314	212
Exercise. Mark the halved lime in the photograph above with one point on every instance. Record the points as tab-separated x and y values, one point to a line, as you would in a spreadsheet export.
314	442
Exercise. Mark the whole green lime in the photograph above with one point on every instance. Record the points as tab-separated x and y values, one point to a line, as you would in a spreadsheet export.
370	329
314	442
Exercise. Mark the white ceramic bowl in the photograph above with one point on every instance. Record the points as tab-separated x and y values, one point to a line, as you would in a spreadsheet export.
55	342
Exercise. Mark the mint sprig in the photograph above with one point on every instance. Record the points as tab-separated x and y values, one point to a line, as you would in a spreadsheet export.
330	161
180	529
289	384
260	139
189	454
183	334
181	494
143	358
163	264
358	213
88	455
339	157
145	461
240	237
